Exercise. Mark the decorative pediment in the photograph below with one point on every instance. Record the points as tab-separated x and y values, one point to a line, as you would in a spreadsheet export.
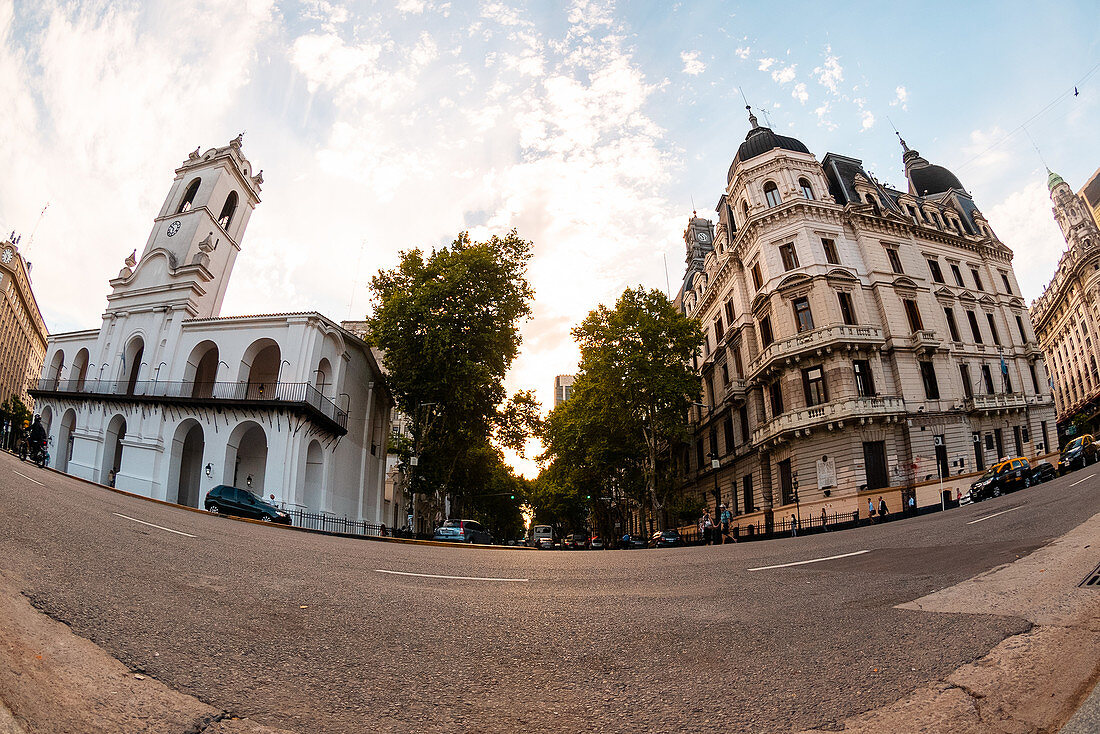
944	293
985	300
759	303
967	296
794	280
903	282
841	274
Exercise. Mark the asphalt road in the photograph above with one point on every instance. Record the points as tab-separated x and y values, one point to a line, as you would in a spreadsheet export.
305	632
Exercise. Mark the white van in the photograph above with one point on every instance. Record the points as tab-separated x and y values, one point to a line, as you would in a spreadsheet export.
542	536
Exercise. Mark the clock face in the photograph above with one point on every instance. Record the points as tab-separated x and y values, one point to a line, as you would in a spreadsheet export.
8	255
702	237
173	228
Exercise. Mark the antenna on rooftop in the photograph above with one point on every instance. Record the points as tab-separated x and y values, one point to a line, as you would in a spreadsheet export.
668	288
30	240
766	118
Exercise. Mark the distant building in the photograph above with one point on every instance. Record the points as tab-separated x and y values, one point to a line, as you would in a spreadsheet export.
1067	314
563	389
168	398
23	333
860	339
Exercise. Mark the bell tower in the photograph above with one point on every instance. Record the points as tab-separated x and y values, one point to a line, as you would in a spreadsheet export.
1072	215
196	236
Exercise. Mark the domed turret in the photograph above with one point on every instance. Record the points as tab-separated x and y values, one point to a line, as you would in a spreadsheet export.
925	178
759	141
1053	179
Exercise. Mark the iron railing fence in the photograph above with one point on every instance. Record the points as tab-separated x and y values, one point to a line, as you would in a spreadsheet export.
282	392
330	523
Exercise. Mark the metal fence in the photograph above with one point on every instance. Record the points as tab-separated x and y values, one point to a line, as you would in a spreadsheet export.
285	392
330	523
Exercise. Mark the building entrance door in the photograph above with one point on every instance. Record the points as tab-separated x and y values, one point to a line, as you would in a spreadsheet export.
874	458
941	459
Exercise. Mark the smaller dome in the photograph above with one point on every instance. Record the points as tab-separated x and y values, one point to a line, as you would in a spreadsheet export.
1053	180
932	180
759	141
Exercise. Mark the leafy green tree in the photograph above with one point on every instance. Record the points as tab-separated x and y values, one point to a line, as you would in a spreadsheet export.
630	398
448	324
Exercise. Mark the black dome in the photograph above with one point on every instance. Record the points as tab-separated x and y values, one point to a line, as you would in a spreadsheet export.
759	141
932	180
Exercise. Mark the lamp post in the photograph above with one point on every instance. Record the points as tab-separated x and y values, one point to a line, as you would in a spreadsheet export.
797	506
414	460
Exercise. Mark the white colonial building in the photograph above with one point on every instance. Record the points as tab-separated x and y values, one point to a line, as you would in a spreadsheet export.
168	399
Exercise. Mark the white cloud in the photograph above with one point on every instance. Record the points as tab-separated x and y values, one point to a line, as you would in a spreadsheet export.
743	52
867	119
765	64
830	74
800	93
1024	222
823	119
985	149
692	64
411	6
784	75
900	98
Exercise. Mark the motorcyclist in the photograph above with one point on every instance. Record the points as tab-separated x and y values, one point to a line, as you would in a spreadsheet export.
37	437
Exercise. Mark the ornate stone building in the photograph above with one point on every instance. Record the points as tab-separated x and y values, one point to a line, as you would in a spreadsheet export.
168	398
860	339
22	331
1067	314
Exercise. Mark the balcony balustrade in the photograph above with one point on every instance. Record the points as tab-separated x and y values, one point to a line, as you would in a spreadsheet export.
925	340
734	389
836	411
295	395
1003	401
808	341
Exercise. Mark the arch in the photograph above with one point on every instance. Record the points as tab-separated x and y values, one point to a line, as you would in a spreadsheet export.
228	209
260	369
246	457
201	371
745	211
131	364
188	200
63	450
185	463
79	369
57	363
873	201
323	377
771	194
112	450
313	478
807	189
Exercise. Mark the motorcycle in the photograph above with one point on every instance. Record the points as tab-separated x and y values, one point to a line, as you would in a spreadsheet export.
40	455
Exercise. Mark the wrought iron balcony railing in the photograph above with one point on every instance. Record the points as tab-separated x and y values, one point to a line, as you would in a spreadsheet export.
838	410
275	394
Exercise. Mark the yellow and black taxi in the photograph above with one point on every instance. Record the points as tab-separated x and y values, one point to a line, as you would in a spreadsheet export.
1078	453
1007	475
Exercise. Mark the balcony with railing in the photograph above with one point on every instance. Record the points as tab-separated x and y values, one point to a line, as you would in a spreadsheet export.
838	410
925	340
735	389
301	396
808	341
1003	401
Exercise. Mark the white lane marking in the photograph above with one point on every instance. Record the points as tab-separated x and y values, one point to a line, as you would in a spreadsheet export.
996	513
437	576
1090	476
158	527
812	560
40	484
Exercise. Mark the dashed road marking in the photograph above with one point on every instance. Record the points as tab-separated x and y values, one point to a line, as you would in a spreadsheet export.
812	560
1090	476
40	484
995	514
158	527
437	576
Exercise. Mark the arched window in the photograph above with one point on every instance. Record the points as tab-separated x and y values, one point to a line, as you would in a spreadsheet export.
873	202
228	210
189	196
745	211
807	190
771	193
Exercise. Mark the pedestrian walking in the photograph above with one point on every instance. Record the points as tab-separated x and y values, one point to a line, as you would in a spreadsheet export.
724	517
870	510
912	504
824	520
882	510
794	527
708	528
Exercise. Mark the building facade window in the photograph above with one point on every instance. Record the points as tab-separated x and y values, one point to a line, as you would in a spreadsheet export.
928	377
977	279
1008	287
974	330
1034	378
766	337
775	391
951	325
987	378
934	268
807	190
958	275
964	375
813	383
719	332
743	416
1020	327
831	255
786	485
895	259
746	493
847	312
993	329
913	314
757	280
789	256
189	197
771	194
802	316
727	428
865	383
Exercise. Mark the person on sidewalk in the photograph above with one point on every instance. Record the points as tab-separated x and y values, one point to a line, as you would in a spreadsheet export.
870	510
882	509
708	528
794	527
912	504
824	520
724	518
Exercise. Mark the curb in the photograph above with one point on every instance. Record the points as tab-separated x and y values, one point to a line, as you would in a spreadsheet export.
279	526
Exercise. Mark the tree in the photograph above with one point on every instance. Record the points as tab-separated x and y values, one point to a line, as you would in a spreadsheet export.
630	397
448	325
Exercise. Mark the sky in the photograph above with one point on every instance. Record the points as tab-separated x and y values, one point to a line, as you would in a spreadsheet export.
593	128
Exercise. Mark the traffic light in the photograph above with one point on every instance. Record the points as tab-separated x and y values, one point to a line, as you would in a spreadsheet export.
588	496
511	496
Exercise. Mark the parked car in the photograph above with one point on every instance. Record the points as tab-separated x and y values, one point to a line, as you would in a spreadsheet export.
463	531
224	499
1042	472
596	543
1005	476
666	539
633	542
579	541
1078	453
546	542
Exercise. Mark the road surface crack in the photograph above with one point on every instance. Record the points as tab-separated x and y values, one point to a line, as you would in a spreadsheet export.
206	722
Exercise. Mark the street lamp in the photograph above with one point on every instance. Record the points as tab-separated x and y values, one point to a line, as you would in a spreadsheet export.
797	506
